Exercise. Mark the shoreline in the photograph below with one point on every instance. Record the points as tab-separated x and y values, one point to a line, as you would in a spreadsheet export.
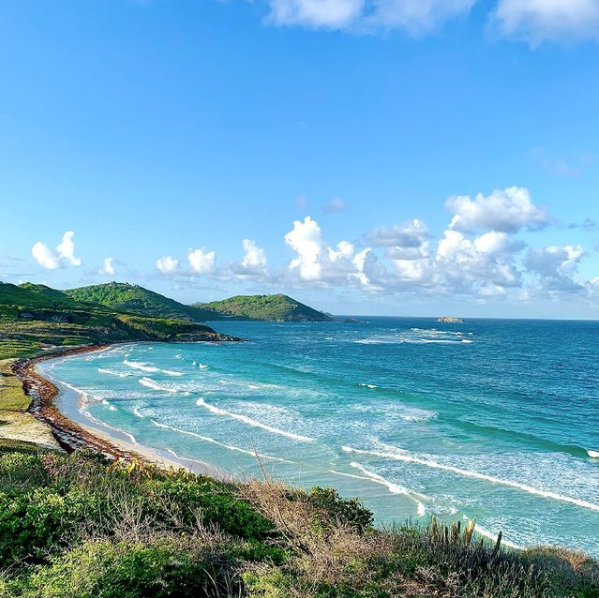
74	435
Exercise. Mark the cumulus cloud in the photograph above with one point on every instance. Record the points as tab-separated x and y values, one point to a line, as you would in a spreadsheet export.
63	255
413	16
306	240
201	261
252	266
407	235
555	266
465	263
107	266
507	210
537	20
167	265
334	206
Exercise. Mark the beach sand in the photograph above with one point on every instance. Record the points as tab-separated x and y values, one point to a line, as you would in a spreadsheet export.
60	408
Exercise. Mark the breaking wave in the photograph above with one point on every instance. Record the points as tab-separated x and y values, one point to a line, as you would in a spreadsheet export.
216	442
407	458
252	422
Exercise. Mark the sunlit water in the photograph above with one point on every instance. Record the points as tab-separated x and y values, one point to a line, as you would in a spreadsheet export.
493	420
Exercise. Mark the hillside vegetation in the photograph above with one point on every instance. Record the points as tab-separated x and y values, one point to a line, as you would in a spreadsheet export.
274	308
76	526
35	318
133	298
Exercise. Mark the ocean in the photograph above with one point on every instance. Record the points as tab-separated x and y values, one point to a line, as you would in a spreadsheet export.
496	420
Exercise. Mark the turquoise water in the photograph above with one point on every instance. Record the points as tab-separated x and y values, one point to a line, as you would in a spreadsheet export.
494	420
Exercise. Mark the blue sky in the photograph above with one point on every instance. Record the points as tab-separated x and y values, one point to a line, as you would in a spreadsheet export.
208	148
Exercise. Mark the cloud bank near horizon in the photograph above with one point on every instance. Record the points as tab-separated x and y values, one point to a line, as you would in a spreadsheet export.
484	254
480	255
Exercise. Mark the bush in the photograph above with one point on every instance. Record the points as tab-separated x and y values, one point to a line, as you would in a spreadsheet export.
340	511
131	570
37	522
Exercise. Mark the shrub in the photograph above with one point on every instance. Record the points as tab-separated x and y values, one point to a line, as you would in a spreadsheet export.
36	522
131	570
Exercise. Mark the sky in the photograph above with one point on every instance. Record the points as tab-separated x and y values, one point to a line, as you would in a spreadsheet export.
388	157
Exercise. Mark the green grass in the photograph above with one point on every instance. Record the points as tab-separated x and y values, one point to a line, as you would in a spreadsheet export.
12	395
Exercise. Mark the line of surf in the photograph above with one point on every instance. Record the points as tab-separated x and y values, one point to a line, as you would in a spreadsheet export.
392	487
137	365
149	383
252	422
216	442
475	474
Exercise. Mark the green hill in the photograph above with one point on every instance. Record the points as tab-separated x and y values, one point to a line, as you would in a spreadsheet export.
136	299
274	308
35	318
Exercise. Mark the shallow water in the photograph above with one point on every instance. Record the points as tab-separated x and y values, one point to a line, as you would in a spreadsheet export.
492	419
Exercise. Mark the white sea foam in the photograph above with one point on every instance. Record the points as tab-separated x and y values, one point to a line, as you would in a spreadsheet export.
144	367
93	419
367	385
149	383
107	404
140	366
392	487
113	373
408	458
180	458
350	475
203	366
137	412
593	454
213	441
252	422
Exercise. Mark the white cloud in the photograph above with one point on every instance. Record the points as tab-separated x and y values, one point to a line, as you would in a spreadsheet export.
45	256
413	16
201	261
53	259
167	265
251	267
555	267
334	206
330	14
66	249
507	210
108	266
537	20
306	240
407	235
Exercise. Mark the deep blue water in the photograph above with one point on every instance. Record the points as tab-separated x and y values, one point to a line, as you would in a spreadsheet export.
491	419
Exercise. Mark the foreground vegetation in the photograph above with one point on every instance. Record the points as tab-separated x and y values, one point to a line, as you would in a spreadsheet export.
34	318
79	526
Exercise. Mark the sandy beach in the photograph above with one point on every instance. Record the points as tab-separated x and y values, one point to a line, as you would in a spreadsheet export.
61	408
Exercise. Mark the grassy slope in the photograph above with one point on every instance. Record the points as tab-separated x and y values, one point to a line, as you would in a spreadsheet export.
35	318
277	308
18	428
73	526
133	298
